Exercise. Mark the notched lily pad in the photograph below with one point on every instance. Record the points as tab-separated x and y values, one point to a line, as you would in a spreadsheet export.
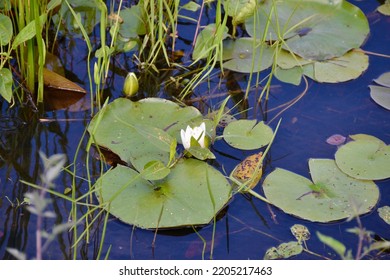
366	158
331	196
247	134
316	30
174	201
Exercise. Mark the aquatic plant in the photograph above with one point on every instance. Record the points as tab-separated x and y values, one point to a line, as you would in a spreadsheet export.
380	93
145	135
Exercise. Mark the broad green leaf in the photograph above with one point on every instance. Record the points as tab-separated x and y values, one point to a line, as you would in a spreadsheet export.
6	84
385	8
290	76
340	69
247	134
383	80
283	251
384	213
28	32
6	30
133	24
313	29
335	195
180	199
366	159
143	131
381	96
245	55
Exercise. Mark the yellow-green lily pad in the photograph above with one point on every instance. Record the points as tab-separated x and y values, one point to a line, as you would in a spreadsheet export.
340	69
330	196
381	93
384	213
247	134
366	158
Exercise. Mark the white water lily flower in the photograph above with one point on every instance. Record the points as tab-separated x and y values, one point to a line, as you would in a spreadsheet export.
198	132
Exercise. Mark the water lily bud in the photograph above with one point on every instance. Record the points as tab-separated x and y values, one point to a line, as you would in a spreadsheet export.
130	86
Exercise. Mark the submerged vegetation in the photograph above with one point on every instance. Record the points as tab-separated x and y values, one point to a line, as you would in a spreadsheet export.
159	165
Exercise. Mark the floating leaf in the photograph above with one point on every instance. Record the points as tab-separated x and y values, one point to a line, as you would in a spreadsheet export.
385	8
247	134
284	251
331	196
245	55
290	76
366	158
143	131
316	30
133	24
249	170
381	94
340	69
300	232
383	80
183	198
384	213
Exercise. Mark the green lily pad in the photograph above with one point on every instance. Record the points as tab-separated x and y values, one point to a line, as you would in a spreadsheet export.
143	131
366	158
192	194
331	196
133	24
313	29
385	8
247	134
284	251
384	213
381	94
244	55
340	69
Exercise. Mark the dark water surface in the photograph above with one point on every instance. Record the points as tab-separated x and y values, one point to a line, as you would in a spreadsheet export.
245	230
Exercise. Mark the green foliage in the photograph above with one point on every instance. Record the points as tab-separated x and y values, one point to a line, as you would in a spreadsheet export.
366	158
247	134
381	93
331	196
180	199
